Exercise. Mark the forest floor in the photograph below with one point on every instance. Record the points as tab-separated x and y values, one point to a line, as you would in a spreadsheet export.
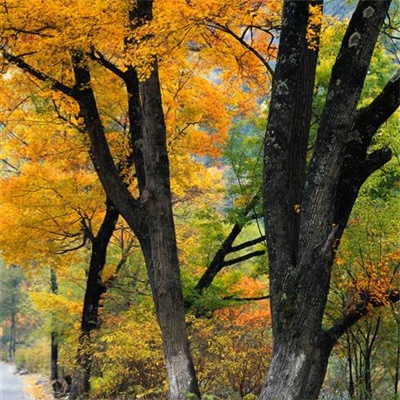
37	386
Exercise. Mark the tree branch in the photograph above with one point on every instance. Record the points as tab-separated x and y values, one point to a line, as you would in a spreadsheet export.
341	125
245	45
369	119
266	297
357	164
15	169
249	243
243	258
100	151
217	263
70	249
54	83
97	56
356	313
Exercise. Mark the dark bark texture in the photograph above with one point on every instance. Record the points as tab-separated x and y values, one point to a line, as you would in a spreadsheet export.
95	288
301	245
54	333
150	216
164	272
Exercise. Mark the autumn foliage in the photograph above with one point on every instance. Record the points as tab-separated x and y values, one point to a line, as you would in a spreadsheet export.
214	61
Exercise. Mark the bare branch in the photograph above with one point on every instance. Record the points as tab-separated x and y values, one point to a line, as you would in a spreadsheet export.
247	244
70	249
217	263
244	258
259	298
97	56
241	40
15	169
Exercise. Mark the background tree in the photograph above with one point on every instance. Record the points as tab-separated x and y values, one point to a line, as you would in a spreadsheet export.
65	210
368	260
11	304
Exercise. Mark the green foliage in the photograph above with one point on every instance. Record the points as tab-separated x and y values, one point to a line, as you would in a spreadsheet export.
210	230
381	69
368	262
35	358
18	320
11	290
243	156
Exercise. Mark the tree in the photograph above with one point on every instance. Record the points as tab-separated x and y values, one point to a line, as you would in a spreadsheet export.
365	361
299	215
11	303
53	334
139	187
306	208
95	288
56	204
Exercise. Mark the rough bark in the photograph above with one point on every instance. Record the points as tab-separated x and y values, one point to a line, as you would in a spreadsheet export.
156	202
284	173
301	246
358	164
150	216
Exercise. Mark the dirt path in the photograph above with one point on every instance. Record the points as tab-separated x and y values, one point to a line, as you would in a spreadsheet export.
11	385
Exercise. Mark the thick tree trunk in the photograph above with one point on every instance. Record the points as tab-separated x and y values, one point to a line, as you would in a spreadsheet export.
157	204
150	216
95	288
295	346
301	246
297	369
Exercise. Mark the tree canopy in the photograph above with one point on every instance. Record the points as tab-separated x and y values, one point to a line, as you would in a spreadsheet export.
160	149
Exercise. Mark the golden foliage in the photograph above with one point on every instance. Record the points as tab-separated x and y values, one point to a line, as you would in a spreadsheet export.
209	76
315	19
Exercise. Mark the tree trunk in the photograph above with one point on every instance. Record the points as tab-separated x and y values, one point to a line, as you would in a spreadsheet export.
13	332
157	204
350	387
54	333
53	356
297	369
397	363
295	348
301	246
95	288
150	216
